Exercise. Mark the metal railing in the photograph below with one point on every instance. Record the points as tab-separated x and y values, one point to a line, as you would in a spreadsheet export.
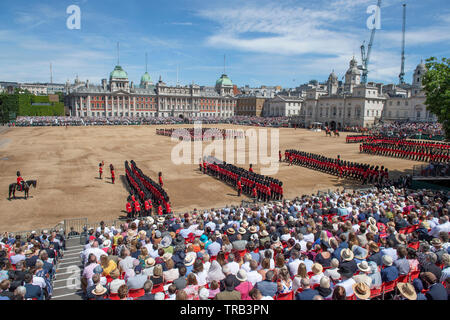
438	170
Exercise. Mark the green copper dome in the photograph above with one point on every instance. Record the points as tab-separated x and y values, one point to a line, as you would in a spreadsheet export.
224	81
119	73
146	78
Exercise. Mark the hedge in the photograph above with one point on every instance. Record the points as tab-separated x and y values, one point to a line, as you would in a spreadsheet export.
20	104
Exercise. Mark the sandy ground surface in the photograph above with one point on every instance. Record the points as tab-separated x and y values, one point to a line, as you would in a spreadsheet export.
65	164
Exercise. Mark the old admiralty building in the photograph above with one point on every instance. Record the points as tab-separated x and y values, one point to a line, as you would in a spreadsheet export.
119	97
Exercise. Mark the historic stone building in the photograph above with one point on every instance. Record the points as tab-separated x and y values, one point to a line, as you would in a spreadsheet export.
119	97
250	105
351	103
283	106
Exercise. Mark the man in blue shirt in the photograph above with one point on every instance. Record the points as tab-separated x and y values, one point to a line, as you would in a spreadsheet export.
390	272
307	293
267	286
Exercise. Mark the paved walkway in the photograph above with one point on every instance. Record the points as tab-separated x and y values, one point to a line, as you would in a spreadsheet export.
66	285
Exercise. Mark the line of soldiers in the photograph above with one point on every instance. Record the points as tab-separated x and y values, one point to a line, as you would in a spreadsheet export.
205	133
145	193
357	138
344	169
417	151
256	186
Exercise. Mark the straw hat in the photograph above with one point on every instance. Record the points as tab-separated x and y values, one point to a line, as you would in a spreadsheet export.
189	260
401	238
244	224
242	230
167	256
130	233
166	241
407	291
241	275
230	231
142	233
363	266
361	290
373	228
150	220
253	229
347	254
436	242
99	290
264	233
387	260
317	268
150	262
160	220
359	252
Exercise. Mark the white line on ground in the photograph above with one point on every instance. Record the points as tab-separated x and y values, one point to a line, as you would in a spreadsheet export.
66	295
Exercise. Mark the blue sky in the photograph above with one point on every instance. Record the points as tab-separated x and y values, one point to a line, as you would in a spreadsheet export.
283	42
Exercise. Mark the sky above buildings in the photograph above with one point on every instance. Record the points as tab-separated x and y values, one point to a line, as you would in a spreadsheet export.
281	42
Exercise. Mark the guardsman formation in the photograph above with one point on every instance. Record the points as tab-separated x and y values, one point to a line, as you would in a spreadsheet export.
205	134
357	138
407	149
254	185
145	193
343	169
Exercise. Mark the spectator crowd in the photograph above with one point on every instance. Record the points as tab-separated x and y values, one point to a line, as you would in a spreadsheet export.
375	244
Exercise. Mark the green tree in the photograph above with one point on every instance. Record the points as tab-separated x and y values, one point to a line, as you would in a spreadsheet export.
436	84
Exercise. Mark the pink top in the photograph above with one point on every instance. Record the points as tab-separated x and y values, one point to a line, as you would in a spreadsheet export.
244	288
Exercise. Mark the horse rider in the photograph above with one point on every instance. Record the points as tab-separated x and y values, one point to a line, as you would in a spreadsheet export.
20	181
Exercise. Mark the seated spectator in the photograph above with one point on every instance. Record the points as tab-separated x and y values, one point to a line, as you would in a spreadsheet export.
333	273
148	287
339	293
213	289
307	293
324	288
256	294
245	286
436	291
267	286
115	284
32	291
389	272
347	281
406	291
402	263
317	269
229	293
361	291
192	287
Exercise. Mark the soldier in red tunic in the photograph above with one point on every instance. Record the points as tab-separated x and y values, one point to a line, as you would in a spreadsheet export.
137	208
129	210
113	174
100	169
160	179
251	168
239	187
20	181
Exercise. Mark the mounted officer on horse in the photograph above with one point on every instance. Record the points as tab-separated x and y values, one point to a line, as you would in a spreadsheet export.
21	185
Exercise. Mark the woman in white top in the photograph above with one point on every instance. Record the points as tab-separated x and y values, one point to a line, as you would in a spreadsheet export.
171	274
199	272
317	269
215	272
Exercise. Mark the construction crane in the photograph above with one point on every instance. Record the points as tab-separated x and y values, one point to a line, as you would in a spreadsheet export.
402	70
365	58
